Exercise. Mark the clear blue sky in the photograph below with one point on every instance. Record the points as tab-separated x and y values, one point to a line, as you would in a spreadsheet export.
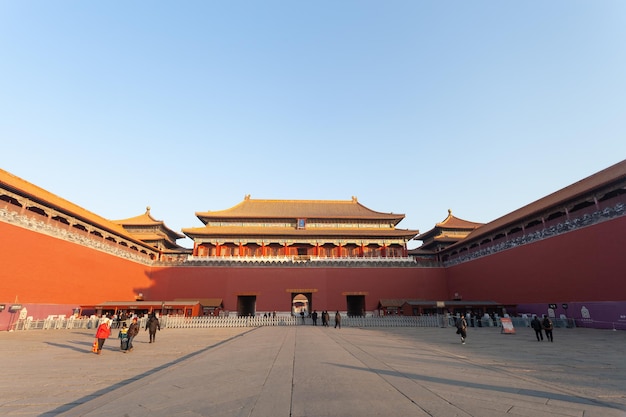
414	107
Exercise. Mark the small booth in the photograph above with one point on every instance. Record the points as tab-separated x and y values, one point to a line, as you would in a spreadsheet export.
187	308
208	306
390	307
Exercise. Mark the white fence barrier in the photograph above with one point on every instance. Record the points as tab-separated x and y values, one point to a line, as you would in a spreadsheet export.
180	322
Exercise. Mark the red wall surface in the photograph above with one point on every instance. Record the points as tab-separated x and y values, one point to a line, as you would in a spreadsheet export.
37	268
272	286
584	265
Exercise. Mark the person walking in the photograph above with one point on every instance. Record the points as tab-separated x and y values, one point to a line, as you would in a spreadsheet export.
152	325
314	317
461	328
535	323
547	327
133	331
123	336
103	333
337	320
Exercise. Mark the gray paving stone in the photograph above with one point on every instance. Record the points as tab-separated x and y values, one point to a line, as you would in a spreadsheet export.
308	371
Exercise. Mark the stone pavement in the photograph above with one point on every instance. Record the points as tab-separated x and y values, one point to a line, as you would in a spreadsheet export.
307	371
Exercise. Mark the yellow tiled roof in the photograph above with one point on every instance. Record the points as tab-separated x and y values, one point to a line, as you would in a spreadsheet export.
452	222
294	209
146	219
46	198
605	177
148	236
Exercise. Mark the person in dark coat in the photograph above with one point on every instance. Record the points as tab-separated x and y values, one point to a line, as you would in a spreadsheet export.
547	327
536	325
461	328
133	330
152	325
337	320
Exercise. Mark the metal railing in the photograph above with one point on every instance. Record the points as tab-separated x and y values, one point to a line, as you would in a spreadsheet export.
181	322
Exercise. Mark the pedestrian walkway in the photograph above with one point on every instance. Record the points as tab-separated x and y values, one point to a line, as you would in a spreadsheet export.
314	371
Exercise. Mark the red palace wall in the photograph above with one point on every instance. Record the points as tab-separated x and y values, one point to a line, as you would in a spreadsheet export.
272	286
584	265
40	269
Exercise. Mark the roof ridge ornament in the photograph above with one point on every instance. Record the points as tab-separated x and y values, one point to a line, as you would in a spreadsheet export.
354	199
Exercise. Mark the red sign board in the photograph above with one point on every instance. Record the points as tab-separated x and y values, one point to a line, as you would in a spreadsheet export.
507	325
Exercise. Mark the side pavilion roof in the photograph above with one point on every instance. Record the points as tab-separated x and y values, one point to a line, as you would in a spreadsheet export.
146	220
450	223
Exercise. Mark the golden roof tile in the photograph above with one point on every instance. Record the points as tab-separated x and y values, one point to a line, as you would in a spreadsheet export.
147	220
295	209
46	198
452	222
606	177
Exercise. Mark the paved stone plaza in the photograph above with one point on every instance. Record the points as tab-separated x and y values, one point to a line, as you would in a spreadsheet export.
306	371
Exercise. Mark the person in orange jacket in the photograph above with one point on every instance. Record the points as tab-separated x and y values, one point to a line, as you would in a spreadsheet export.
103	333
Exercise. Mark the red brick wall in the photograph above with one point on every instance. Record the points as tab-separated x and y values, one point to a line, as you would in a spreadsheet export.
271	284
584	265
38	268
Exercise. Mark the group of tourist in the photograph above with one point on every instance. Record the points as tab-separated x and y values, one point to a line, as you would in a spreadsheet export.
325	318
545	324
126	334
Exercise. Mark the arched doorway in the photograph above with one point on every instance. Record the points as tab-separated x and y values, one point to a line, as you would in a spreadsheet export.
300	303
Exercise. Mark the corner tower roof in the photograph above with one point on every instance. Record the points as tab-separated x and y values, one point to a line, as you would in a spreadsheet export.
148	229
449	231
459	228
146	220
